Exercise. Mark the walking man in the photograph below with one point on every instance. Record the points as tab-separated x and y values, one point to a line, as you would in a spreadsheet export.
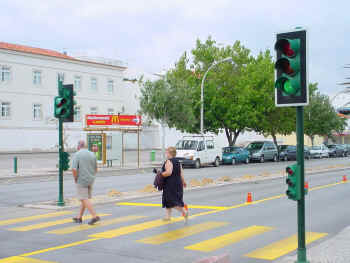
84	167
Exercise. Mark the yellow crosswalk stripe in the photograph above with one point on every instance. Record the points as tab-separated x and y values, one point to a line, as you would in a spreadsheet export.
135	228
73	229
50	223
283	247
227	239
159	205
32	218
23	260
181	233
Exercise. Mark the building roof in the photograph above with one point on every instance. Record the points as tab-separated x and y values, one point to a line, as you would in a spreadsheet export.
33	50
46	52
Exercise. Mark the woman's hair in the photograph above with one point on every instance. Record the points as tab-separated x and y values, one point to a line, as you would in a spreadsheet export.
172	151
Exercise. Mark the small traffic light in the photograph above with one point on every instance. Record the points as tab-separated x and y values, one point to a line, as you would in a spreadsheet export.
291	69
64	103
293	182
65	161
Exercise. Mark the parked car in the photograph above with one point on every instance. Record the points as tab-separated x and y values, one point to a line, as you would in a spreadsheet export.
289	152
198	150
234	155
262	151
319	151
336	150
307	154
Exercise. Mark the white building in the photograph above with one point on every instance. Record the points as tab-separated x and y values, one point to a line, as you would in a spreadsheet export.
28	85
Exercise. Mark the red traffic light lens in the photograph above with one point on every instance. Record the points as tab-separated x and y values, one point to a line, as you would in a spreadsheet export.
284	65
284	46
289	171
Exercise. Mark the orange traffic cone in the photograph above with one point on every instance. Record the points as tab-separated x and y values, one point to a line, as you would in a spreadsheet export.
249	197
344	178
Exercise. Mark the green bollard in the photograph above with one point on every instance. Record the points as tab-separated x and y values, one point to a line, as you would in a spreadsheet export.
15	164
153	156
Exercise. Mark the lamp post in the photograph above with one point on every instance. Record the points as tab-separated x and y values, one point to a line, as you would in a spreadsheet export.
202	89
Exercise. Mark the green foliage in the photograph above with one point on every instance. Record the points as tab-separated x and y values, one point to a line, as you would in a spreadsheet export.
320	117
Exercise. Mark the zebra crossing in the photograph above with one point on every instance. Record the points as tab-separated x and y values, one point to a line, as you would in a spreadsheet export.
60	223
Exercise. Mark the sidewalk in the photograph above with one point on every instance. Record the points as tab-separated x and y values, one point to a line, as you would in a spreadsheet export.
49	171
333	250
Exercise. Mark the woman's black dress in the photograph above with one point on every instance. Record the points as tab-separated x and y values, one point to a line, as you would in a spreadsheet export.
173	187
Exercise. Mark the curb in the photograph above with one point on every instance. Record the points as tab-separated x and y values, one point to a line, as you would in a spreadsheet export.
257	179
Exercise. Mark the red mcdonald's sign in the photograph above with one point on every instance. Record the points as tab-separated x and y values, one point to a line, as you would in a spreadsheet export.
111	120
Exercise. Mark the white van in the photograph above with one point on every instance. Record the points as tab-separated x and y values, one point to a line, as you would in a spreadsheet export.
198	150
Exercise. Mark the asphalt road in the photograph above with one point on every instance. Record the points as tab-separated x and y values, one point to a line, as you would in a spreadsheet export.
220	222
23	191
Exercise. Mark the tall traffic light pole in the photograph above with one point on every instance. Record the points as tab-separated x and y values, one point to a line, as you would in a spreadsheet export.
292	91
60	201
64	112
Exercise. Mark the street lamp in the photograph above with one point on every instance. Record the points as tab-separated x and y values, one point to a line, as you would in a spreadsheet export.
202	89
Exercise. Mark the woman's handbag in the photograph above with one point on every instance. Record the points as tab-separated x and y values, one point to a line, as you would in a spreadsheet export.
158	180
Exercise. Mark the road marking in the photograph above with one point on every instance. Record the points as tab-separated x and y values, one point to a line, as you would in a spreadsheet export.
59	247
325	186
283	247
73	229
181	233
23	260
227	239
159	205
135	228
31	218
50	223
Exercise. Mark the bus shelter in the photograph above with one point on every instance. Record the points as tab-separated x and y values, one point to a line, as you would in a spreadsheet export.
106	136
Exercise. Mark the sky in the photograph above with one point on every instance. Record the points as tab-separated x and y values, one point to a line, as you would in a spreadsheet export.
151	35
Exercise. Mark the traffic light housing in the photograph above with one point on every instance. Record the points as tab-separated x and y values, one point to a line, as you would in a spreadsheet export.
291	69
65	161
64	103
294	183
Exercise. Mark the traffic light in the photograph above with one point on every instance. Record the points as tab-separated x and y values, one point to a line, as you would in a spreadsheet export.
64	103
65	161
293	182
291	69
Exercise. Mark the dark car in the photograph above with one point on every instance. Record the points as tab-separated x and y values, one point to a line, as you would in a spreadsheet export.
336	150
289	152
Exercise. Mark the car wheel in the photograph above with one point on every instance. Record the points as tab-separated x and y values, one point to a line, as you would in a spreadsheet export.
262	159
285	158
247	160
343	154
197	164
217	162
234	161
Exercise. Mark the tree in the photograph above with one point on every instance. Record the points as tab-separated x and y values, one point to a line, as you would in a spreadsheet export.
224	102
269	120
320	118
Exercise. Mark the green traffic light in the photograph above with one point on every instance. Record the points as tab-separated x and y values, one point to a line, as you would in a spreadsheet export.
288	86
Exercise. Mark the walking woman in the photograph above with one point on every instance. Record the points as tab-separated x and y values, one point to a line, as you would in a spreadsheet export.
174	184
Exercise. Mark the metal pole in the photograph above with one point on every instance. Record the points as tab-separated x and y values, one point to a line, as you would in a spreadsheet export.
60	170
15	164
163	141
301	202
202	89
123	150
138	148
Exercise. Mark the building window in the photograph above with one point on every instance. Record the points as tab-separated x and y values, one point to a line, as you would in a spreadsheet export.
77	83
93	84
110	86
110	111
5	109
37	112
93	110
77	113
5	73
37	77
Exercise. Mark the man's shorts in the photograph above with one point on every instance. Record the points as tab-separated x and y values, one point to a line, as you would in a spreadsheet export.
84	192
